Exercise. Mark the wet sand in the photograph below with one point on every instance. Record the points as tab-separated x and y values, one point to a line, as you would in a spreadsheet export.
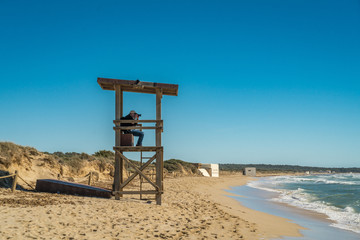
193	208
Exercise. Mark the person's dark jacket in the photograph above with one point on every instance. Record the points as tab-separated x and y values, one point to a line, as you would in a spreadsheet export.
127	117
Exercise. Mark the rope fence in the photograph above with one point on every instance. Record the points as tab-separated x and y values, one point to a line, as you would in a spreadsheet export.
88	177
27	183
14	176
11	175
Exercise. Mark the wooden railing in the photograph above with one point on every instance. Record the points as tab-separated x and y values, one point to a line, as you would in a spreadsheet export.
158	124
15	177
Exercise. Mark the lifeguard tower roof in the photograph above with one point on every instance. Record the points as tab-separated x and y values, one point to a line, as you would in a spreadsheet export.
138	86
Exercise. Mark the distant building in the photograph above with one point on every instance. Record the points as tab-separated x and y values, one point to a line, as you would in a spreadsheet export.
209	169
250	171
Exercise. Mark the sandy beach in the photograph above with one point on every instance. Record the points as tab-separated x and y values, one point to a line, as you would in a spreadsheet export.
193	208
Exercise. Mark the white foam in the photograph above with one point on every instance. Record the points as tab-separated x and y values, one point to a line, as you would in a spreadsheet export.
257	184
335	182
343	218
326	179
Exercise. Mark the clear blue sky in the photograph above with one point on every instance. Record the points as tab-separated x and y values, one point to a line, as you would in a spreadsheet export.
275	82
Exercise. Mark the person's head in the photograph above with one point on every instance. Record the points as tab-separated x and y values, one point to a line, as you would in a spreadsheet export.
132	113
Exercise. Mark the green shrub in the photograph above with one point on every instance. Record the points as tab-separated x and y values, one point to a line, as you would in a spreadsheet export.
104	154
173	165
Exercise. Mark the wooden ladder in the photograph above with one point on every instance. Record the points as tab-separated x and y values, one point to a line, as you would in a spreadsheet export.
151	175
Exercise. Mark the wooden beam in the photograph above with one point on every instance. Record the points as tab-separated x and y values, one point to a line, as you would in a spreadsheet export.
134	127
136	148
137	121
119	165
159	164
139	171
138	192
143	175
138	86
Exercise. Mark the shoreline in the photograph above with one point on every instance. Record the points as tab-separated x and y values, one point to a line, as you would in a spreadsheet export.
268	226
318	225
313	214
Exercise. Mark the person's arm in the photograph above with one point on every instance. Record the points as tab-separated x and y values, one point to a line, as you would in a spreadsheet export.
136	118
127	117
138	124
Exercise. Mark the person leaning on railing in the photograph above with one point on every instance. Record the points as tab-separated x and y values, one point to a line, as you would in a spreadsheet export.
133	116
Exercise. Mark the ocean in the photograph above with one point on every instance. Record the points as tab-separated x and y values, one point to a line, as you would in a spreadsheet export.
335	195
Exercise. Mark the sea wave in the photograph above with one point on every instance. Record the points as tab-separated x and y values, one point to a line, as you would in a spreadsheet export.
259	185
343	218
326	179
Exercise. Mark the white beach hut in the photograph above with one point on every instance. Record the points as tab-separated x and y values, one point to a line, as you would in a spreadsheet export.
209	169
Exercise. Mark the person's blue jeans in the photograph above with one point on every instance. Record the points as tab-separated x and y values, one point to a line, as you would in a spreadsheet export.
139	134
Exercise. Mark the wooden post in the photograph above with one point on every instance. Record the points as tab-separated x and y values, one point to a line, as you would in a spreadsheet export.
119	164
140	178
13	188
159	160
90	178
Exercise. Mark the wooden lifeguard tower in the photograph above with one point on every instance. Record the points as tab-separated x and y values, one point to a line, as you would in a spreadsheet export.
160	89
